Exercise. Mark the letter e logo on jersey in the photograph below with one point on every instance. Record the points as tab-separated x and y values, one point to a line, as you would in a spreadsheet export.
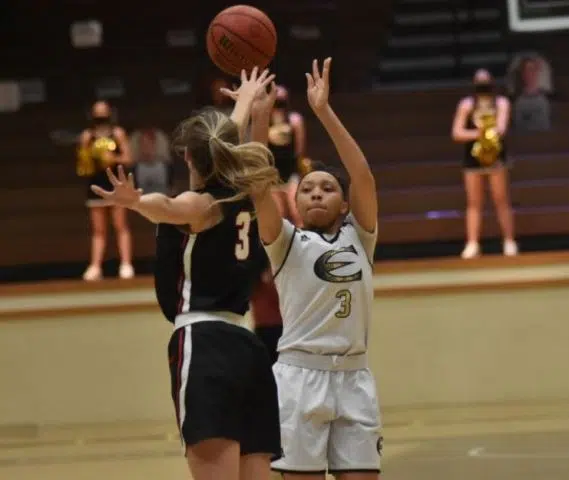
325	266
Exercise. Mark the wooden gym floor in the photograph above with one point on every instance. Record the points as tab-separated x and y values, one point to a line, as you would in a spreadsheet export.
493	442
502	442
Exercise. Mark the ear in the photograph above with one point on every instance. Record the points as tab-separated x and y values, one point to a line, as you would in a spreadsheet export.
345	207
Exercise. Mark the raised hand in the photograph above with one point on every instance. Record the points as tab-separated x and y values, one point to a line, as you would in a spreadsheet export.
265	101
250	87
125	194
318	85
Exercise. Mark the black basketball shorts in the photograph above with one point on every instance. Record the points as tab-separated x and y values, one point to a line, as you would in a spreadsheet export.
223	387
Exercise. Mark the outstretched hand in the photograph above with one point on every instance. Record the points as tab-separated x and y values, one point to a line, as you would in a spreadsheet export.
265	101
318	85
125	194
250	87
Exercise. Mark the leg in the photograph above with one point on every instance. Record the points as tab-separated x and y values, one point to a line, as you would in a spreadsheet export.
98	219
256	466
261	429
306	405
500	195
358	423
473	183
208	385
124	242
357	476
214	459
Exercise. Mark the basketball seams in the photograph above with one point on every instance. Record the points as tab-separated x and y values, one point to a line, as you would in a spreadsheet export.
272	30
244	40
238	27
220	51
237	67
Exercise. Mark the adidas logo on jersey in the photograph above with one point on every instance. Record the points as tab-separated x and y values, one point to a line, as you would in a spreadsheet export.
304	238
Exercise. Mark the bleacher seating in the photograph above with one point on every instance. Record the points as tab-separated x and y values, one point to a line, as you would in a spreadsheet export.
406	135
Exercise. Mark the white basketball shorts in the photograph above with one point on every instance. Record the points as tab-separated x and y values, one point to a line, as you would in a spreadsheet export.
329	420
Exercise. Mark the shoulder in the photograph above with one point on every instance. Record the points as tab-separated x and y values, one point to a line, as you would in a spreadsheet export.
502	101
119	132
466	104
85	136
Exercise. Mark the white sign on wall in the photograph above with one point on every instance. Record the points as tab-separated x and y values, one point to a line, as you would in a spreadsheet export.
10	98
538	15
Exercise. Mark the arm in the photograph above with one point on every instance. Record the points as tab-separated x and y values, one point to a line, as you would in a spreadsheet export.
189	208
245	95
186	209
297	123
268	215
461	134
503	115
363	192
125	157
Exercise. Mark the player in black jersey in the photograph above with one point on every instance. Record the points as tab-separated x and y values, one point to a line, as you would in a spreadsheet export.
208	255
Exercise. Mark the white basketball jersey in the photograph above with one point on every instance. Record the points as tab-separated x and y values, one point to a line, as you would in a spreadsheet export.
325	287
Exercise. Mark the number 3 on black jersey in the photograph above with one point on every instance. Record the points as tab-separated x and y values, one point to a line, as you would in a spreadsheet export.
243	224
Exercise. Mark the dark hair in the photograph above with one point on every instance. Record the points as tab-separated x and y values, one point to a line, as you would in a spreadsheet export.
211	139
317	166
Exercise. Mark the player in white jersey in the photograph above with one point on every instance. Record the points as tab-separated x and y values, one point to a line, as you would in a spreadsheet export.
323	273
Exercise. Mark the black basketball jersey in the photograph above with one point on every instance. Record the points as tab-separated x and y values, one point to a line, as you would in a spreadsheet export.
213	270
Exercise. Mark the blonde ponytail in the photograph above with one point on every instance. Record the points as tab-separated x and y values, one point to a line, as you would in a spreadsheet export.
247	168
212	142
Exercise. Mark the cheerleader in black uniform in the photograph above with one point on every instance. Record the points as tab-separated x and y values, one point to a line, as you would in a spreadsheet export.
104	145
287	142
474	115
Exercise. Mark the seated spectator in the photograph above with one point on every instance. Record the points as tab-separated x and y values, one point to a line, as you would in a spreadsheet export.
530	87
152	161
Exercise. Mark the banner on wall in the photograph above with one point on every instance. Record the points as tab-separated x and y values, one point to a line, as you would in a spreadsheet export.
538	15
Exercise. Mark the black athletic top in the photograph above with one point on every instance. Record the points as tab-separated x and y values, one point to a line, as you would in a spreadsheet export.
213	270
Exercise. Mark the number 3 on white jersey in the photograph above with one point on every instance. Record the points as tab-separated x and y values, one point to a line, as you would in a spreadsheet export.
243	224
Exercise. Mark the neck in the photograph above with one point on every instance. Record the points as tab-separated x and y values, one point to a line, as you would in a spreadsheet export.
196	181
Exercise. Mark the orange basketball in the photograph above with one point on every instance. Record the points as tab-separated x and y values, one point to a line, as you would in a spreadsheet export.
241	37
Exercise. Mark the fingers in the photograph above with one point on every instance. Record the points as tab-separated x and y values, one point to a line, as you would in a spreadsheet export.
263	75
131	180
254	74
309	80
326	70
315	72
243	76
114	180
268	80
122	176
273	90
99	191
229	93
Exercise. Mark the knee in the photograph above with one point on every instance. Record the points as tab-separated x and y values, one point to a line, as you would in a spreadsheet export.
119	223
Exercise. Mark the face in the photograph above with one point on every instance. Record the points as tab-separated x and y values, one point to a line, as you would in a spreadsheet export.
147	145
483	82
101	113
282	97
320	201
530	73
